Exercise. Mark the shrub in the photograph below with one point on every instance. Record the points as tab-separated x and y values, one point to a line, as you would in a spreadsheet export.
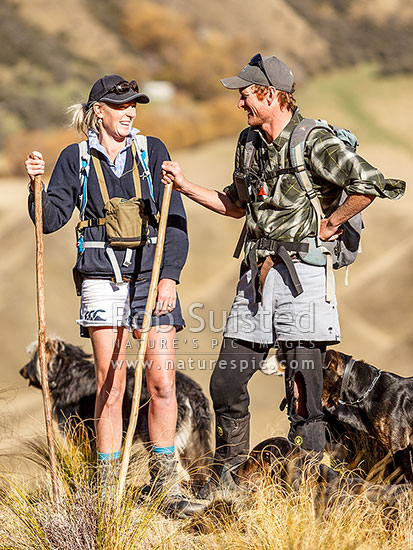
174	49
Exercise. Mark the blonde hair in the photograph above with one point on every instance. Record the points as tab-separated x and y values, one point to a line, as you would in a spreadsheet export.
285	99
83	119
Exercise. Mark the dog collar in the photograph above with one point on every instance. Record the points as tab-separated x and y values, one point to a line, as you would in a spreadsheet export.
344	385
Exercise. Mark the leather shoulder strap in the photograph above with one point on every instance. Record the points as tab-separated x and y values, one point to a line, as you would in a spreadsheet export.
101	179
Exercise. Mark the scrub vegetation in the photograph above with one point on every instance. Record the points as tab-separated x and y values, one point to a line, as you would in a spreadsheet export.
50	62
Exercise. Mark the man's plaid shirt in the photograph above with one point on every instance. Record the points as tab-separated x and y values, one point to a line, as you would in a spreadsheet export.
278	207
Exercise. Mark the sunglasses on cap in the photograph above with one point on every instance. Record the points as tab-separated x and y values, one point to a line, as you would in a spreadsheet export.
258	61
122	88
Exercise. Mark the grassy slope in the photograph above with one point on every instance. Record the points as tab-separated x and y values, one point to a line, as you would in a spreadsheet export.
376	309
377	306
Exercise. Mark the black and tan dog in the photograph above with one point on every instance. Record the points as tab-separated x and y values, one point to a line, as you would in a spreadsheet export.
282	461
73	390
376	402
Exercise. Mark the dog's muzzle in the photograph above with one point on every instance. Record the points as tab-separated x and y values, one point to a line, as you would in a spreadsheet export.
32	382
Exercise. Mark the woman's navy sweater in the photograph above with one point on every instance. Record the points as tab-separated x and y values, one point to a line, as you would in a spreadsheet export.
62	196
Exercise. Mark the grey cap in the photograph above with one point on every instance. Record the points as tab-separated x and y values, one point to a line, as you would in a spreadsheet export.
265	71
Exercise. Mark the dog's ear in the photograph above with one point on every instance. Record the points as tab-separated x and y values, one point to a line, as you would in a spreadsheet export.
52	352
60	346
52	345
333	360
32	349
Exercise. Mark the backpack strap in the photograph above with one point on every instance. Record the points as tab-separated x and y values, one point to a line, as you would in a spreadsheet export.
241	241
249	150
248	159
297	146
84	166
141	144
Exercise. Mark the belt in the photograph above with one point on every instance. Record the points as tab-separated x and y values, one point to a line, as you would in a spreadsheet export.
112	257
126	279
268	263
280	250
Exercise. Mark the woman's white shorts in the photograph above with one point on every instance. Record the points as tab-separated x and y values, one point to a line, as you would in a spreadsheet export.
103	303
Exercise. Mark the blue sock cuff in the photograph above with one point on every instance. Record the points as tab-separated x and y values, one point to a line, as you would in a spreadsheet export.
164	450
109	456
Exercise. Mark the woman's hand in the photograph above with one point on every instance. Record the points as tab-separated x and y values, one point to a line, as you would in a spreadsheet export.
166	297
35	166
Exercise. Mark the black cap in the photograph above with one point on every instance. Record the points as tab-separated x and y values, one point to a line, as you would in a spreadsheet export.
265	71
103	90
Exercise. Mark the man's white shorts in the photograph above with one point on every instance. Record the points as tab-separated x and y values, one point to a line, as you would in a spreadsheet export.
282	315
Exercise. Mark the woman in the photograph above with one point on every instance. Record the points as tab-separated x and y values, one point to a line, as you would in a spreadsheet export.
114	282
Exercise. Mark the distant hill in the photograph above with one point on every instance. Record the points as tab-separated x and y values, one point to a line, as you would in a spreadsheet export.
362	30
52	51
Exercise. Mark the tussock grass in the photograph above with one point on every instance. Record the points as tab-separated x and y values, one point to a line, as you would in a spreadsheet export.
362	454
268	514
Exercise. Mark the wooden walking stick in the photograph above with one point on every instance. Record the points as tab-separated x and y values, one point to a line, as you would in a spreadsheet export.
42	333
150	304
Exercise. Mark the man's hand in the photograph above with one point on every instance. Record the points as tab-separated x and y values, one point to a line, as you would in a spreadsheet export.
329	231
166	297
330	227
172	173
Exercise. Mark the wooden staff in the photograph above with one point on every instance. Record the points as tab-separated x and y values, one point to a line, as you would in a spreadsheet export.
42	333
150	304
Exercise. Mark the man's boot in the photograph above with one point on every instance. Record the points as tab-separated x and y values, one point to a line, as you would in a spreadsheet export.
310	436
164	485
232	438
304	375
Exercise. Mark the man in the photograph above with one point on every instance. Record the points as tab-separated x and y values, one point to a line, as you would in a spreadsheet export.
281	299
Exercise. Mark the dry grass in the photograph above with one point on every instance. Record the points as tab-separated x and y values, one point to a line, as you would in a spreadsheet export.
269	515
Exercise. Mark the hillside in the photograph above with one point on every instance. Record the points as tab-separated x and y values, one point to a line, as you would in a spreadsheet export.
52	52
376	308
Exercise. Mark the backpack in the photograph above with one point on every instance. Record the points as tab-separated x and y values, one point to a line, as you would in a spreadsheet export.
343	250
140	142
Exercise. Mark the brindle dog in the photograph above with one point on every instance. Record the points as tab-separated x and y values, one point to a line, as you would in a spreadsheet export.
376	402
72	385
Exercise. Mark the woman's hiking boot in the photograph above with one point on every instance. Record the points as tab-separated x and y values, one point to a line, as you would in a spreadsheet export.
165	488
107	479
